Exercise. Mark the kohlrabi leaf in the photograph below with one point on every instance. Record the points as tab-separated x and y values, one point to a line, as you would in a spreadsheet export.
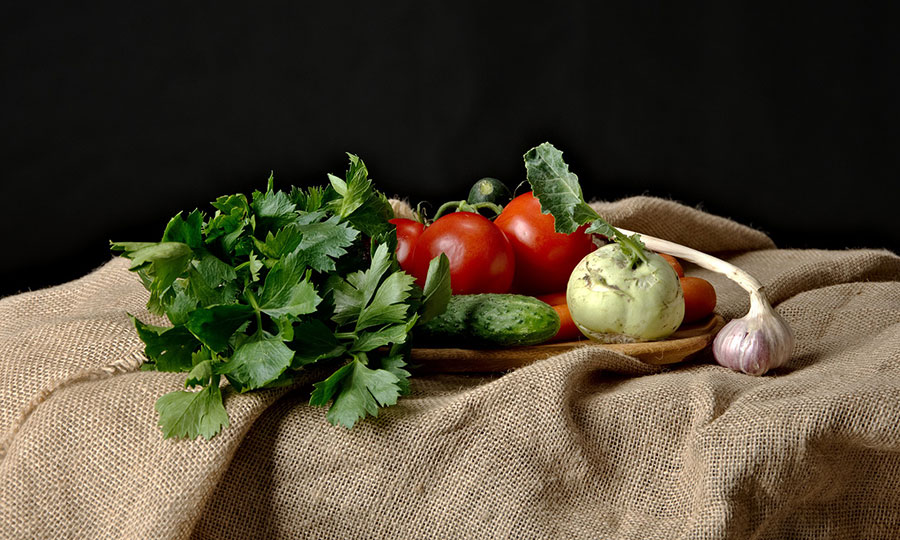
561	196
557	188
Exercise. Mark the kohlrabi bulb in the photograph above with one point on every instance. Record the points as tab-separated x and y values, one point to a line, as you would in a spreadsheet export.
611	301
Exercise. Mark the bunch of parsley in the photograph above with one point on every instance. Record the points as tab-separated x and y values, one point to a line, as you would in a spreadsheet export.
272	283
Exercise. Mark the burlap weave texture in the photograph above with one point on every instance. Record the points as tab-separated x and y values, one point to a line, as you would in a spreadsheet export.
582	445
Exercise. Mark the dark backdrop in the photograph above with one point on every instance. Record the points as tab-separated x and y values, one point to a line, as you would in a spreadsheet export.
116	115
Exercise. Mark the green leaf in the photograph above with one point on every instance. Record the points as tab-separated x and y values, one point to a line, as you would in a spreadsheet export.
215	325
371	340
314	341
181	304
367	282
200	375
557	188
354	391
436	293
281	243
129	247
358	202
232	204
394	364
171	349
257	362
561	196
186	231
309	200
354	293
229	222
324	242
159	265
287	289
209	281
273	209
387	305
214	271
185	414
602	228
162	258
354	191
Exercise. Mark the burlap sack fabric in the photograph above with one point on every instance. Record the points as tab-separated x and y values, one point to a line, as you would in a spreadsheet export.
583	445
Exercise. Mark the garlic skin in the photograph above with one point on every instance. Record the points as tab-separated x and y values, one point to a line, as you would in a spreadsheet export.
754	344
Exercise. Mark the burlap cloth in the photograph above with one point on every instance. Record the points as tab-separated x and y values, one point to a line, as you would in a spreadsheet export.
583	445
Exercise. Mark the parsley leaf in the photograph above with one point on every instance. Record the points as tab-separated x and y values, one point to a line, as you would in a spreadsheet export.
215	325
287	289
356	391
268	285
161	262
186	231
170	349
325	241
273	209
191	414
437	291
257	362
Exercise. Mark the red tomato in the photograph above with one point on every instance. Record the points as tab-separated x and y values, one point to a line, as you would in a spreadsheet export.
481	259
408	232
544	258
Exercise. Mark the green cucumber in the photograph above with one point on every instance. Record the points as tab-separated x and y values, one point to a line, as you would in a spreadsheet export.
491	320
489	190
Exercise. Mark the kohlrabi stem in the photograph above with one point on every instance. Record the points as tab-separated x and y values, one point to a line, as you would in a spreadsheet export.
703	260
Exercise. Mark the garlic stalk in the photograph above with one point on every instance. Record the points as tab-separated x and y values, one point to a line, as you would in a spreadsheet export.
759	341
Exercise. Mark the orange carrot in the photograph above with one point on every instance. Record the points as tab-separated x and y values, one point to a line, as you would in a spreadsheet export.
554	299
699	298
567	329
675	264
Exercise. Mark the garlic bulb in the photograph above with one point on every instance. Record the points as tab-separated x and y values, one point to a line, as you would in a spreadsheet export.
759	341
756	343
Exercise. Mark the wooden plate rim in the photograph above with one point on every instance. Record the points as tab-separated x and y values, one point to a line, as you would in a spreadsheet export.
687	340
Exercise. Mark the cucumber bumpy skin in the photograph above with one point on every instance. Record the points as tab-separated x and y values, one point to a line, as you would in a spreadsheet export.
491	320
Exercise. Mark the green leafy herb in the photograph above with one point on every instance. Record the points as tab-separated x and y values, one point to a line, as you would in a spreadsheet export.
267	285
560	194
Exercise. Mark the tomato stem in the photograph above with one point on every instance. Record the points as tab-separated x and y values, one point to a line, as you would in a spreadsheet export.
463	206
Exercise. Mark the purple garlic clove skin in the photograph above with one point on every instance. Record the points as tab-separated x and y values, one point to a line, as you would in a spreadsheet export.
760	341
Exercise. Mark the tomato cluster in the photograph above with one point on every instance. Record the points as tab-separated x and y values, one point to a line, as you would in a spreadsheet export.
519	251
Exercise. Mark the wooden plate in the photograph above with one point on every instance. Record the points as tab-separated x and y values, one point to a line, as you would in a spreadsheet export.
687	340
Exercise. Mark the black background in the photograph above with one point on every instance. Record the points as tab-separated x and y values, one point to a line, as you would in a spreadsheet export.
117	115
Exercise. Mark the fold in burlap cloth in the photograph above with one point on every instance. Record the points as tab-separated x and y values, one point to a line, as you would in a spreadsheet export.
589	444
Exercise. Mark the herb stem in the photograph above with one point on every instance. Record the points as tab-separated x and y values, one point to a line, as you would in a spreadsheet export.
252	300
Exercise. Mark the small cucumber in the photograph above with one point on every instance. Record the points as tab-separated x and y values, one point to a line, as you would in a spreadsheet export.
491	320
489	190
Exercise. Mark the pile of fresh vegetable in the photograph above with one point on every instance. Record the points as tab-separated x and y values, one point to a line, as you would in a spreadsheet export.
266	286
